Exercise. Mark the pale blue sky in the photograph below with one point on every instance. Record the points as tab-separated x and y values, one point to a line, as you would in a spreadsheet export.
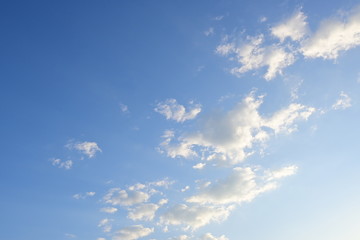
180	120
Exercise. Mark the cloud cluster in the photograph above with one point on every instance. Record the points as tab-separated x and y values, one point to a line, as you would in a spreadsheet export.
87	148
229	138
132	232
332	37
343	102
62	164
174	111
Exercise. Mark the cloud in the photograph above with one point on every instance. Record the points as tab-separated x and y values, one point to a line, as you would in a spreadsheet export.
174	111
62	164
83	196
69	235
181	237
133	232
194	216
294	28
209	32
209	236
88	148
253	55
333	36
144	212
106	225
117	196
109	210
199	166
124	108
343	102
229	138
243	185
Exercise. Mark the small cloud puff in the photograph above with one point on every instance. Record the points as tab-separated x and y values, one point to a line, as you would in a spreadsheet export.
62	164
174	111
343	102
133	232
88	148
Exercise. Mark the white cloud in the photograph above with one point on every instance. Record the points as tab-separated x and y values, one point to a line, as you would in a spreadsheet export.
209	32
343	102
209	236
109	210
106	225
333	36
181	237
145	212
199	166
133	232
101	238
124	108
174	111
117	196
88	148
243	185
253	55
185	189
62	164
229	138
83	196
295	28
218	18
194	216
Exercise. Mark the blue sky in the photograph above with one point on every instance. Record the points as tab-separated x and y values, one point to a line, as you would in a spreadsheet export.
180	120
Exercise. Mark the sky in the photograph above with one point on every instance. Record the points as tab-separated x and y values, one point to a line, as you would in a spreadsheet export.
180	120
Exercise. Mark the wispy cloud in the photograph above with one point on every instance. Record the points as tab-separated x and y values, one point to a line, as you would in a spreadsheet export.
62	164
133	232
87	148
343	102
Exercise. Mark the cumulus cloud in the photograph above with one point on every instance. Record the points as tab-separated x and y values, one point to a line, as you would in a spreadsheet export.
229	138
62	164
109	210
181	237
333	36
87	148
209	236
117	196
294	28
194	216
253	55
133	232
174	111
343	102
243	185
144	212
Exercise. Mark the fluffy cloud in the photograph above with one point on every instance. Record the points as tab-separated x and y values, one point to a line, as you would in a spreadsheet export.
209	236
133	232
87	148
333	36
145	212
62	164
230	137
254	55
109	210
117	196
174	111
243	185
294	28
343	102
194	216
